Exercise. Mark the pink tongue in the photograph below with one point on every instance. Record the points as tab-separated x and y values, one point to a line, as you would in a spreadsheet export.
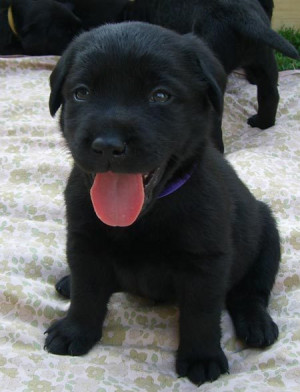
117	198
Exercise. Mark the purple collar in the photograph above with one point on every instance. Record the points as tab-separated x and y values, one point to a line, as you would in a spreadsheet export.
176	184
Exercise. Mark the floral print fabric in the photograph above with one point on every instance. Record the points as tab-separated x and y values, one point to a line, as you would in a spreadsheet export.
138	348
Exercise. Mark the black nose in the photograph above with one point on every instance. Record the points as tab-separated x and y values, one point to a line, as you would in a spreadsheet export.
109	146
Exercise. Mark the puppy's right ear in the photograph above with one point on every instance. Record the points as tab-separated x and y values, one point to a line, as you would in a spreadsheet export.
57	79
208	69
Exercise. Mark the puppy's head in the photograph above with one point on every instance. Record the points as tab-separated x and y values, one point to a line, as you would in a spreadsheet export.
138	102
44	27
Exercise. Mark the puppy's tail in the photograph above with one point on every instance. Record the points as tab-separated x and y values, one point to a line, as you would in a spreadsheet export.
260	31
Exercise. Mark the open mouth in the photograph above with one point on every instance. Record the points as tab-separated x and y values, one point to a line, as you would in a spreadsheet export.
150	181
119	198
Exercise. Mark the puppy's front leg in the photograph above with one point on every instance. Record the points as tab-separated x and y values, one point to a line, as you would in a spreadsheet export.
92	283
200	357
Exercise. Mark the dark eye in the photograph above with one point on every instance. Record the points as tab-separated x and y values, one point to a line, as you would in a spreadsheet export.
159	96
81	94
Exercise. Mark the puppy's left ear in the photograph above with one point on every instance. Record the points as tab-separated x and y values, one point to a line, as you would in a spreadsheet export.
60	72
216	84
57	79
208	68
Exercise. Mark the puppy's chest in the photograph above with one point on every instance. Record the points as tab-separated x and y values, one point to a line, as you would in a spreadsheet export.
150	262
146	268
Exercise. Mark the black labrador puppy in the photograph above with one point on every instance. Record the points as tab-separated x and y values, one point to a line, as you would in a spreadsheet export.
46	27
36	27
152	207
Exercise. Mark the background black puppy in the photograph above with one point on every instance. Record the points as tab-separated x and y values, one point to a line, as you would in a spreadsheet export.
138	102
46	27
36	27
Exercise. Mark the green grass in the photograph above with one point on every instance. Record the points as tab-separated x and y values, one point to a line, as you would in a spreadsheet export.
285	63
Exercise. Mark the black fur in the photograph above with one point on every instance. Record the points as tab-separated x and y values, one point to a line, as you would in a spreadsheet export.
207	245
43	27
268	6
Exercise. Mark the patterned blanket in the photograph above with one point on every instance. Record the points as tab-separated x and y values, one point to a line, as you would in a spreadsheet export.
137	351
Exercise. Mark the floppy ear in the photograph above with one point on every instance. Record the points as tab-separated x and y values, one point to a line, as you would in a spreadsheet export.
215	90
57	79
209	70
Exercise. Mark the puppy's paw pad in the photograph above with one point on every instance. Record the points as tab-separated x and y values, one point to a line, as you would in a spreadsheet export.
67	338
259	331
200	371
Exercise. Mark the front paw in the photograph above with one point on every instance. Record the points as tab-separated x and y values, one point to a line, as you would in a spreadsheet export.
202	368
66	337
256	328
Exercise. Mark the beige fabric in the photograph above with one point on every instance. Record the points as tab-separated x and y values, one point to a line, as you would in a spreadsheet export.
138	348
